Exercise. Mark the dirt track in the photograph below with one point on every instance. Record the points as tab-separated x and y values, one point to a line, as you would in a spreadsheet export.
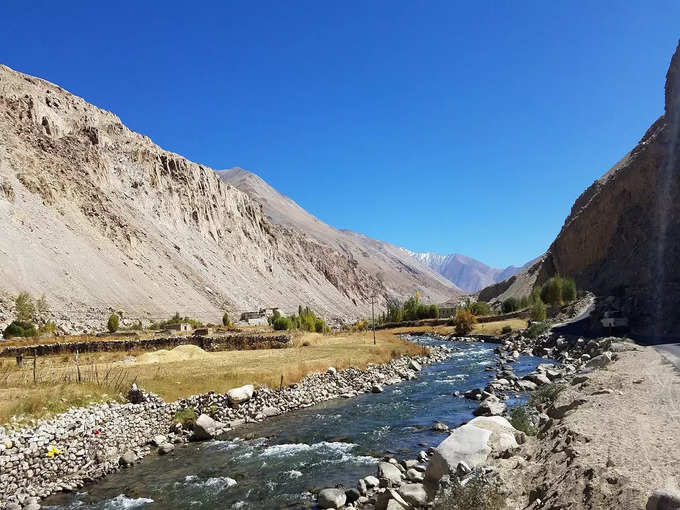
614	449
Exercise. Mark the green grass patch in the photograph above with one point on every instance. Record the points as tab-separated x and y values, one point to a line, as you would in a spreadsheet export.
545	394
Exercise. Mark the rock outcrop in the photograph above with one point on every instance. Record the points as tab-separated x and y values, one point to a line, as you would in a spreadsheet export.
620	237
401	274
99	218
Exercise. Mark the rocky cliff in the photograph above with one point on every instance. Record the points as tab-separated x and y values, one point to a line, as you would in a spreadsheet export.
622	235
400	273
98	217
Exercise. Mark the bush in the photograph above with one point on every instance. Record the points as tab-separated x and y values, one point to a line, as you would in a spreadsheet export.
49	328
463	321
520	418
506	330
319	326
480	308
20	329
113	323
475	494
186	417
568	290
25	307
282	324
536	329
537	311
558	290
510	305
225	319
545	394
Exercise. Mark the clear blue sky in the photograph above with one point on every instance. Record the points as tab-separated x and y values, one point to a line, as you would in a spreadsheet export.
438	126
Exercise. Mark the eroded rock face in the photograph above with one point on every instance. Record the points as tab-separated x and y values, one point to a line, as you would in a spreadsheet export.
620	237
111	218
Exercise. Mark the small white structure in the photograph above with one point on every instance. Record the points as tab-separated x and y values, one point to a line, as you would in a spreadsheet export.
614	320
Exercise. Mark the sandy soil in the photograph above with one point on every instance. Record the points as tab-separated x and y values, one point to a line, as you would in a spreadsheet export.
614	449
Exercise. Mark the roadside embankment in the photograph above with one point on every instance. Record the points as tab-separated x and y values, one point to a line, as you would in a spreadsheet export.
599	432
84	444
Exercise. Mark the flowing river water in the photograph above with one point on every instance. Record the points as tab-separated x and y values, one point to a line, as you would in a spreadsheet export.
336	442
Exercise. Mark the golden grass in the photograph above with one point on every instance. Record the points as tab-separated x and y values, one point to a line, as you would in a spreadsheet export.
494	328
105	375
488	328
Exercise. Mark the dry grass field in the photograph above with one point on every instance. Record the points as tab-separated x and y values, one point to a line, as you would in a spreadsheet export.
488	328
184	371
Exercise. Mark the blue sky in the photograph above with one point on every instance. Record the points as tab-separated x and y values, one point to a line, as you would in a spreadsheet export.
437	126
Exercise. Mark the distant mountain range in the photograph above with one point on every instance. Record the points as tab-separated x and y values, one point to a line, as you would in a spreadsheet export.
399	272
467	273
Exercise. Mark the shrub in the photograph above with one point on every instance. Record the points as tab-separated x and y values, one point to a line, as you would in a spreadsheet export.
282	323
558	290
506	330
568	290
463	321
225	319
113	323
319	326
25	307
537	311
480	308
186	417
520	418
536	329
510	305
475	494
545	394
49	327
20	329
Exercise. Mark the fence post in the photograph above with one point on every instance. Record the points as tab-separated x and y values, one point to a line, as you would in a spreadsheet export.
281	383
78	366
35	357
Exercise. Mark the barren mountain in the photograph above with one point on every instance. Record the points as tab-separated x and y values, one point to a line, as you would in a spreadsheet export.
621	237
98	217
393	266
467	273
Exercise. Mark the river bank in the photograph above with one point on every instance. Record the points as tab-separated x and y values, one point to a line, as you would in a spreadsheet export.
479	461
85	444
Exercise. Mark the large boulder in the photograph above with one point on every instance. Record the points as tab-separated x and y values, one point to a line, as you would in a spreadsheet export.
490	407
663	499
467	444
389	472
502	436
205	428
600	361
241	394
332	498
414	494
390	500
471	444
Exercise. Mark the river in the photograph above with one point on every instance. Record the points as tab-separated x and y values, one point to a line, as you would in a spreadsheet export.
285	457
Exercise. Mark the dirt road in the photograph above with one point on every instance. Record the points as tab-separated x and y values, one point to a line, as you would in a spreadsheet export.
620	444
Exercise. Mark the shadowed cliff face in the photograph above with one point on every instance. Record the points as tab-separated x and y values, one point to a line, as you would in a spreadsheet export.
622	236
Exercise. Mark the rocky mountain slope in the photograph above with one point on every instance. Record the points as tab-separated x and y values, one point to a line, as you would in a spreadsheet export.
399	272
621	236
98	217
467	273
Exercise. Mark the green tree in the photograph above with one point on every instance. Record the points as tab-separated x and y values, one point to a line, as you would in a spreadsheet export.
20	329
568	290
25	307
480	308
225	319
551	292
510	305
113	323
537	311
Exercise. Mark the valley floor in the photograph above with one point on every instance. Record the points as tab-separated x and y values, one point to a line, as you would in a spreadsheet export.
183	371
615	449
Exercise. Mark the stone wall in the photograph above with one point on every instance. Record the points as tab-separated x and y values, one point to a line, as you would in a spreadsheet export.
220	343
89	442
